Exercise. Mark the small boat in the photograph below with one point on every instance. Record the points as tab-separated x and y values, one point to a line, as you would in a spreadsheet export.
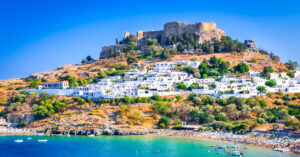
236	153
42	140
222	147
214	146
277	149
29	138
284	149
91	135
18	141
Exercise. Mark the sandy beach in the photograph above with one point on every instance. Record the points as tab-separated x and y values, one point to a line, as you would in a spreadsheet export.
283	144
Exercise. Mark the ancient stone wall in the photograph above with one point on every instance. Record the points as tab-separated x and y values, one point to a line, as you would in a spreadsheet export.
105	50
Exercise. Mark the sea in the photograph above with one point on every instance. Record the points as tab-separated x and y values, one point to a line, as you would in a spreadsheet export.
124	146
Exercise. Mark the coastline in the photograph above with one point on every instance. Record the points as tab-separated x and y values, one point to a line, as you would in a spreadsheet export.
250	138
217	136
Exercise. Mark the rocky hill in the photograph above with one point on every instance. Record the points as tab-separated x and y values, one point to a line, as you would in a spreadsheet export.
178	41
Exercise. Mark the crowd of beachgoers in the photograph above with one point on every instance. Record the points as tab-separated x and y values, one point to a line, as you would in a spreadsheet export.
278	144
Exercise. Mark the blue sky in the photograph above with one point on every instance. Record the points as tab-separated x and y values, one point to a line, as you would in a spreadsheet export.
40	35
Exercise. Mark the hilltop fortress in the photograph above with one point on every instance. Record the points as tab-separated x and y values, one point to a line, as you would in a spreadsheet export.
201	31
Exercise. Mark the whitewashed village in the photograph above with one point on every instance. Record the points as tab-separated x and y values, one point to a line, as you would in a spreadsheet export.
162	79
171	63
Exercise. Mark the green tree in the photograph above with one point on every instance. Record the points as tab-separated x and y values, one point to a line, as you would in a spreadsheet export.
189	69
223	67
72	81
181	86
174	39
203	69
197	75
206	47
165	54
241	68
35	83
267	72
169	40
291	74
270	83
84	61
82	82
213	61
151	42
291	65
89	58
217	46
261	89
131	59
180	47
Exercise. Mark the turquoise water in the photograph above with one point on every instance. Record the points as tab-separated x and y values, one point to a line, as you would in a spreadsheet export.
121	146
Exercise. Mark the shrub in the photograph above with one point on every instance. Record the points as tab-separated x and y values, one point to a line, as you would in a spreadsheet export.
267	71
263	103
177	123
205	118
278	102
197	75
20	88
156	97
221	117
79	100
178	98
254	60
89	100
286	98
219	125
189	69
35	83
241	131
291	74
194	86
58	106
260	121
22	124
160	107
164	122
229	127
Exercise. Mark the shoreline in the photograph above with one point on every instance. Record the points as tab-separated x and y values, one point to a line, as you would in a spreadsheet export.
221	139
250	139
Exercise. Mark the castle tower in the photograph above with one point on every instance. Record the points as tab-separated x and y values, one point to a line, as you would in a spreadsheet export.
140	35
126	34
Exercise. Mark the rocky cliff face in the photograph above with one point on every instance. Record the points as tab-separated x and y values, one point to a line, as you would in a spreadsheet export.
209	31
